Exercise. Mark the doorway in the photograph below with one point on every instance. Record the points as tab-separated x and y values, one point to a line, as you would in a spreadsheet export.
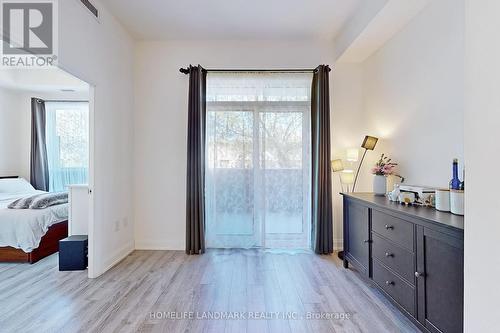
67	105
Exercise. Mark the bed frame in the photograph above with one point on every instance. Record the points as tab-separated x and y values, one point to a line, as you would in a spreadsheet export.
49	244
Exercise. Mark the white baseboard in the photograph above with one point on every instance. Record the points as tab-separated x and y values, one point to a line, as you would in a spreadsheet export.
180	245
118	256
169	244
338	244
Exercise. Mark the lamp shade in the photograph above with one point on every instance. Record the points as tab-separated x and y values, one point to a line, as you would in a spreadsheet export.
347	177
352	154
337	165
369	142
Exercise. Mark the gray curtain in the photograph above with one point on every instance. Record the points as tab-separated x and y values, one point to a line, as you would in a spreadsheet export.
322	224
195	198
39	169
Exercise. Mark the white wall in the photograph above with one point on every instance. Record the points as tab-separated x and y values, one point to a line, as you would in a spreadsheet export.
347	130
101	53
413	92
414	80
14	134
161	121
409	94
482	119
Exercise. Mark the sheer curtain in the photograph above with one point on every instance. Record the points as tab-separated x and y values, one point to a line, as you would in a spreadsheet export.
257	188
67	131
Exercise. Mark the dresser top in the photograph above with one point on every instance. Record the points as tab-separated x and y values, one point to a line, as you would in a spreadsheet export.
424	213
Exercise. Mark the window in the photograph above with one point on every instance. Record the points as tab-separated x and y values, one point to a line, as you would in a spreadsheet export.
258	165
67	137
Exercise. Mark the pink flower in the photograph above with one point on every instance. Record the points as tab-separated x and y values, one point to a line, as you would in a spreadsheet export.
385	167
388	169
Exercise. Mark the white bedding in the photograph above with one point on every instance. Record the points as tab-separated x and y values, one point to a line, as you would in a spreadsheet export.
24	228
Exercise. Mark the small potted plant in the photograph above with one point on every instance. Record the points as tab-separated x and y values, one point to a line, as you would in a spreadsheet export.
383	168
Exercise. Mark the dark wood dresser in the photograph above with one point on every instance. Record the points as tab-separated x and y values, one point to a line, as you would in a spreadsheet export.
414	255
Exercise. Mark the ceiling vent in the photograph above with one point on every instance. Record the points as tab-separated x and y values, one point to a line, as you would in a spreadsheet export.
90	7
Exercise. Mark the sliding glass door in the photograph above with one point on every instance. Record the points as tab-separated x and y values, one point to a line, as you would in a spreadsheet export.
257	168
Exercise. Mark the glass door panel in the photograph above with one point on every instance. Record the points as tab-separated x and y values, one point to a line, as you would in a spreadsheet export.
284	174
230	179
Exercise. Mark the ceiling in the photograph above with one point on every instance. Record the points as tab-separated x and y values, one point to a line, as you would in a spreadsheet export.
232	19
41	80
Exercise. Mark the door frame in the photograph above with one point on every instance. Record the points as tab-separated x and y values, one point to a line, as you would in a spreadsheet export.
91	268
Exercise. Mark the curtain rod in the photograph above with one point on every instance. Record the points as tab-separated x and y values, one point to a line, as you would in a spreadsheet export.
286	70
63	100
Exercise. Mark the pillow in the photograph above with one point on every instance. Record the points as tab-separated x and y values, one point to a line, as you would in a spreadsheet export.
15	185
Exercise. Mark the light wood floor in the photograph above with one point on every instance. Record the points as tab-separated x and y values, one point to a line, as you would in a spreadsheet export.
140	292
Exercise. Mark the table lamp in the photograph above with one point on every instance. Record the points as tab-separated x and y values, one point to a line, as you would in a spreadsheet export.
337	166
369	143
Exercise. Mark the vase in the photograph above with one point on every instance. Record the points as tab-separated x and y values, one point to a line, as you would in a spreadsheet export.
379	185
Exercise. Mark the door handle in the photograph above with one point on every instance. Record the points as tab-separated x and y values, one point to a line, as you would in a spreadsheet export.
389	283
418	274
389	226
387	254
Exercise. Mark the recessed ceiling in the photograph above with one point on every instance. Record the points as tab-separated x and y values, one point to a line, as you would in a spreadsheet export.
232	19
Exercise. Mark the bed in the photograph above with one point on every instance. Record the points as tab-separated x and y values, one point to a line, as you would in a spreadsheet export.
28	235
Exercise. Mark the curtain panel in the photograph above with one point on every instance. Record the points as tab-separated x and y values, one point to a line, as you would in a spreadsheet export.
322	224
39	169
195	186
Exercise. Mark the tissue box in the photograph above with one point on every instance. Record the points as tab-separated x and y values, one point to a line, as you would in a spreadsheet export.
423	194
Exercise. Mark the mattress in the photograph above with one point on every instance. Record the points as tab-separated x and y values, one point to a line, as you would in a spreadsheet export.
24	228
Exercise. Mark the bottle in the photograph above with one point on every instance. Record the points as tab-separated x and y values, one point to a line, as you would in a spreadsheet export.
462	183
455	182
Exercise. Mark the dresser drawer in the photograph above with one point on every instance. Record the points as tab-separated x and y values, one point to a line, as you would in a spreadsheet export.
397	230
398	289
395	257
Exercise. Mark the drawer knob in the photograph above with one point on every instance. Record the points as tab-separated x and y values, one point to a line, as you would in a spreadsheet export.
389	283
387	254
418	274
366	241
389	226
